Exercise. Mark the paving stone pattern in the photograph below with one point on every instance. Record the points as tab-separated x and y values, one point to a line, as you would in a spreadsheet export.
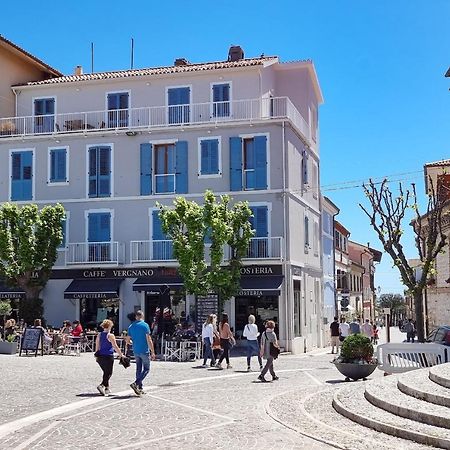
225	409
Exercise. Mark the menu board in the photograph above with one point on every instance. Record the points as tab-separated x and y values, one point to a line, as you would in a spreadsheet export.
31	340
206	305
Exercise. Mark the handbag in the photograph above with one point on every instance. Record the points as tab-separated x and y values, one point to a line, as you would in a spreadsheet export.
274	351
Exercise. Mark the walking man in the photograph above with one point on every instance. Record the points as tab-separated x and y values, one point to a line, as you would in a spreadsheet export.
139	334
367	329
410	331
344	329
354	326
334	331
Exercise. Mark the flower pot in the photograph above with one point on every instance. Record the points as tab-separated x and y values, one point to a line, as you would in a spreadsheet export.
8	348
355	371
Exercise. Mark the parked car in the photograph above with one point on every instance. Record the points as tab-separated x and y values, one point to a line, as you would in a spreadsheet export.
440	335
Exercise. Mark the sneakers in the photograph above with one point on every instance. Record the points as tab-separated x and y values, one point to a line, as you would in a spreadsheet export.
101	389
275	378
107	391
249	369
262	379
135	388
141	390
204	366
229	366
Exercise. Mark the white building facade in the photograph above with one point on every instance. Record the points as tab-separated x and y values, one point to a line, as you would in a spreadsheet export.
108	146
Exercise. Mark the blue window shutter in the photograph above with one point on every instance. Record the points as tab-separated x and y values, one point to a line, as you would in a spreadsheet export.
235	164
93	227
214	156
209	151
16	178
27	175
146	169
157	233
259	221
204	157
181	167
260	143
99	227
104	172
92	172
58	165
113	101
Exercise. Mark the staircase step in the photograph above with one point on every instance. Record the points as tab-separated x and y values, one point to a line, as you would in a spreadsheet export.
441	375
385	395
351	403
418	384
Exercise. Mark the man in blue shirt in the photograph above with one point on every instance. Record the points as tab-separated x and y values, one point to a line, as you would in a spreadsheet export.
139	334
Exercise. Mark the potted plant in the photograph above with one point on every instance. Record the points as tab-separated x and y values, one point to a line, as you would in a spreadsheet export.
9	346
356	359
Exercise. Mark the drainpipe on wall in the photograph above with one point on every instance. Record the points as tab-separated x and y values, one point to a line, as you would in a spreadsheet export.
16	101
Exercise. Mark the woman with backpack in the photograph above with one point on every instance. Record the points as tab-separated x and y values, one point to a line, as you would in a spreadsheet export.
269	350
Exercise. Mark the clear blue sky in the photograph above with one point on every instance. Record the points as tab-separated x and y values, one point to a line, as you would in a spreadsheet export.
380	64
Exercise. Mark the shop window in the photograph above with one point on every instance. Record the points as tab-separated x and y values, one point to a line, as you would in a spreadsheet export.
297	308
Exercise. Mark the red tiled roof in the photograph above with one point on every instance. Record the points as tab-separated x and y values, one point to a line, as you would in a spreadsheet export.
158	71
444	162
37	61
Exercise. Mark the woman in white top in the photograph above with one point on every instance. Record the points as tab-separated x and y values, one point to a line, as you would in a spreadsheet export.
208	337
251	333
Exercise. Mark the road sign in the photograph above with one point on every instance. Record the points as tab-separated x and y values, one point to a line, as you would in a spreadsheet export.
387	311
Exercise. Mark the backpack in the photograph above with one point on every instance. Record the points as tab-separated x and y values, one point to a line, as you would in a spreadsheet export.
273	350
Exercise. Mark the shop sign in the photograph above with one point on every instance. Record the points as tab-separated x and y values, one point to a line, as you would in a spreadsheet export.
256	292
101	295
97	273
12	295
261	270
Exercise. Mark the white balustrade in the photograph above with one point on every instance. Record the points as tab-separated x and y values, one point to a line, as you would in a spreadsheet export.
92	253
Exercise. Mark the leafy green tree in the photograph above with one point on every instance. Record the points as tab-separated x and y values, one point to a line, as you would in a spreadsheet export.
29	239
189	225
395	302
387	214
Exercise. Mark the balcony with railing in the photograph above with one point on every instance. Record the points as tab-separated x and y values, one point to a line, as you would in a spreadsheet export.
150	251
93	253
265	248
156	117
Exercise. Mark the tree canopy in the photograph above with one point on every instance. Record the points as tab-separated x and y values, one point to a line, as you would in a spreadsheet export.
228	230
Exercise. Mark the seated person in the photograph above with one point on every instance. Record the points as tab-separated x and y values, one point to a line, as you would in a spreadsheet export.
65	331
77	330
45	336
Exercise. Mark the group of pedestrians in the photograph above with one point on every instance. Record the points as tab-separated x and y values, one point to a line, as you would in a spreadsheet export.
143	350
258	344
339	331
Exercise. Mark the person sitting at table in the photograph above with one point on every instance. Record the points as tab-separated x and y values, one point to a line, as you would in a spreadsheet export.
65	332
47	339
77	329
9	329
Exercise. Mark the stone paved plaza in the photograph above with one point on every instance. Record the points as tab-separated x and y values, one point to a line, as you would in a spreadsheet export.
51	402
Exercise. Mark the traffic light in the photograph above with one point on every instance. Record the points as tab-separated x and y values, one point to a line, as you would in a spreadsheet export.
344	303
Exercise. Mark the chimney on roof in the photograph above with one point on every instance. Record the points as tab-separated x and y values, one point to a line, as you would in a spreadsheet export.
78	70
235	53
181	62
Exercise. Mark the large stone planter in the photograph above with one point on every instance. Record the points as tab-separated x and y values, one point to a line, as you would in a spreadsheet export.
353	371
8	348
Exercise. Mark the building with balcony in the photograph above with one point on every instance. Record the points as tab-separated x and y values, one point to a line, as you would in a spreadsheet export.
109	145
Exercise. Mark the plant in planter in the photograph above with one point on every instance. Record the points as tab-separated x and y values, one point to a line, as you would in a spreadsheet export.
356	359
9	346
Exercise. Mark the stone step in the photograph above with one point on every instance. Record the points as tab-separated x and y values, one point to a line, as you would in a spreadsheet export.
441	375
418	384
351	403
385	395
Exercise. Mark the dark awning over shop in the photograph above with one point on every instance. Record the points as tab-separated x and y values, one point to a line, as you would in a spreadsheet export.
257	286
157	284
95	288
7	292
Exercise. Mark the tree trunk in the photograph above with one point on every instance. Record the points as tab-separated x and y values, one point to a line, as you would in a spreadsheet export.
418	305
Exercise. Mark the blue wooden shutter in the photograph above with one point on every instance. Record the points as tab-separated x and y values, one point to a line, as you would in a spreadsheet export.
58	159
22	174
104	172
99	227
259	221
235	164
92	174
146	169
157	233
306	231
260	145
209	151
181	167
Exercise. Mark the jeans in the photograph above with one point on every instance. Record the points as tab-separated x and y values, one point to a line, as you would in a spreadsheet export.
268	367
106	363
207	352
225	344
142	367
253	350
410	336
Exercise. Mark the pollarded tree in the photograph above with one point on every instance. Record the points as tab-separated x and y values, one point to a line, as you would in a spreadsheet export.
189	225
29	239
387	216
395	302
